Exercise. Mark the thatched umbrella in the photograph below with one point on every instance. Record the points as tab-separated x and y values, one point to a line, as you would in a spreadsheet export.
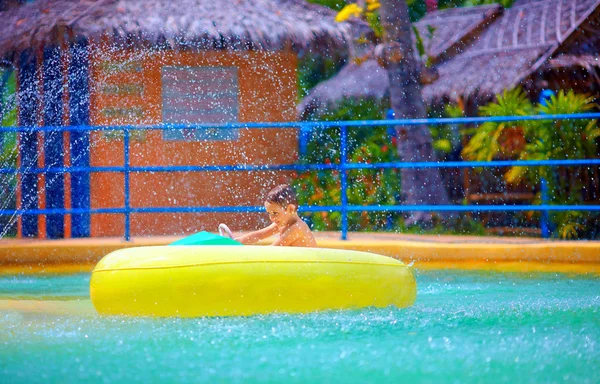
203	24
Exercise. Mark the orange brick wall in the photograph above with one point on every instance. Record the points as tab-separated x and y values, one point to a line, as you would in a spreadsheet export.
267	92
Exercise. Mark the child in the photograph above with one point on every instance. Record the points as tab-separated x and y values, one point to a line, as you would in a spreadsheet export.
282	207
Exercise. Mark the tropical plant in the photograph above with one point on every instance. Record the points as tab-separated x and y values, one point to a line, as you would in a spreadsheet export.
500	138
544	140
562	139
558	139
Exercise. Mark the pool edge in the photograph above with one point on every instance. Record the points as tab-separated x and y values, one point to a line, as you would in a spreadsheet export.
81	255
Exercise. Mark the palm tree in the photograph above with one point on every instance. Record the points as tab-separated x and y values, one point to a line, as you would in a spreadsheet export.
419	186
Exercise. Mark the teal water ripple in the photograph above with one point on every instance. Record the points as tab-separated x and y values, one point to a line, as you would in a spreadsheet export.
466	327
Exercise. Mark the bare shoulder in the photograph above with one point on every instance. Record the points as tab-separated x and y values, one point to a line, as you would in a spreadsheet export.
302	226
301	235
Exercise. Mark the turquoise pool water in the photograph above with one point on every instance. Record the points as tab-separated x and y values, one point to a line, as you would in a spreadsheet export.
465	327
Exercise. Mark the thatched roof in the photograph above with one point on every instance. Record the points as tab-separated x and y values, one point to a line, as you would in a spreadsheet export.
513	48
367	80
205	24
568	61
454	29
534	36
580	49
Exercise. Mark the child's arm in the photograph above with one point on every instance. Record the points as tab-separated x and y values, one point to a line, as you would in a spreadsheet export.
253	237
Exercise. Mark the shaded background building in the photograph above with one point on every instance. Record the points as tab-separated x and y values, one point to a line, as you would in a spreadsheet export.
133	62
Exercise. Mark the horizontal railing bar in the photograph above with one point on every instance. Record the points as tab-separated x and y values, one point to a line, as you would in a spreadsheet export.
308	167
132	210
473	208
312	124
313	208
474	164
174	168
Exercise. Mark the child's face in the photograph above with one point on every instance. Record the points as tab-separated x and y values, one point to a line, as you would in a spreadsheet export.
278	214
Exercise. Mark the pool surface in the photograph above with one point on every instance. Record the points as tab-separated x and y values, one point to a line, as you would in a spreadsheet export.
465	327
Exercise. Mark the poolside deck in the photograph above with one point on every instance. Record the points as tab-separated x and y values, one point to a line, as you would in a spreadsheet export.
426	251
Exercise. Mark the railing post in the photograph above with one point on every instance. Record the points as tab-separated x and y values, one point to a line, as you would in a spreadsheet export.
53	147
79	115
344	179
303	138
28	109
126	175
544	214
392	134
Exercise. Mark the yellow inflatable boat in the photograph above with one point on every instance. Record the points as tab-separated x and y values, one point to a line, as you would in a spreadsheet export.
224	280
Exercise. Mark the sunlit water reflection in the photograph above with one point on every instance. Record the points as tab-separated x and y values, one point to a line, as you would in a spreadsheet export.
464	327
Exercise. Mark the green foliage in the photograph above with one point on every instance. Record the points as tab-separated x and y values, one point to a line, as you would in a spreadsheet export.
544	140
420	44
9	116
8	153
461	225
365	187
443	4
336	5
314	68
505	138
375	23
416	9
446	138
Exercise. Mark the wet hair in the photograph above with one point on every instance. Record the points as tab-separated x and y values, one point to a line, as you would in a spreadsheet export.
282	195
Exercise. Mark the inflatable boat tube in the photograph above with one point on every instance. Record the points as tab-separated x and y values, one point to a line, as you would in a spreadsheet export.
194	281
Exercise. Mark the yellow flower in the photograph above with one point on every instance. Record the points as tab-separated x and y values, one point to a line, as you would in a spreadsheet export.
348	11
372	7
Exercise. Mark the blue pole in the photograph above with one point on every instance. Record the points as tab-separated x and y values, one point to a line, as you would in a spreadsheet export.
392	133
344	180
28	108
79	112
303	138
53	140
126	175
545	216
545	96
328	124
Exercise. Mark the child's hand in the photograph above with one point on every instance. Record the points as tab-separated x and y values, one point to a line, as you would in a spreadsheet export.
225	231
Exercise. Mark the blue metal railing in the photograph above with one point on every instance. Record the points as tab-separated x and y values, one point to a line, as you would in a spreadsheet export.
343	166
